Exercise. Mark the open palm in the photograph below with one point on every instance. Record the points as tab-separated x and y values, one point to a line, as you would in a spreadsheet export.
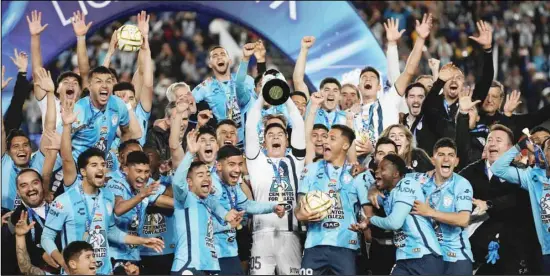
423	29
44	80
35	25
192	145
67	113
22	227
465	100
485	37
79	24
143	23
5	82
392	30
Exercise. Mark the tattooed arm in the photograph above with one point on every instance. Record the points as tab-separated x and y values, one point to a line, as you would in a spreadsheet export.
23	259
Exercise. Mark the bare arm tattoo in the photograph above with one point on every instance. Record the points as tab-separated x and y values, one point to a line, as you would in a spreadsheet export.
23	259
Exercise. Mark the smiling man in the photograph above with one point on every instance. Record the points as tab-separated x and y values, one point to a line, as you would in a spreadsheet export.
415	94
208	147
329	113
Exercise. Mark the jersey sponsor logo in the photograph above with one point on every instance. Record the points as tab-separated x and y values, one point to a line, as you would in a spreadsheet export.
354	242
53	212
545	208
154	224
416	250
81	211
464	197
451	254
407	190
331	224
98	241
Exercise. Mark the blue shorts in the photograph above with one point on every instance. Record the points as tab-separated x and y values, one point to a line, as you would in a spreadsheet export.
318	260
230	266
463	267
427	265
546	264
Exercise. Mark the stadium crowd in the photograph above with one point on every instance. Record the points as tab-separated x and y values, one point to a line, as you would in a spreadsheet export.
170	160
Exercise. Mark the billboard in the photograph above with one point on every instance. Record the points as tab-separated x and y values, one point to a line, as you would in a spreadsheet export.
343	46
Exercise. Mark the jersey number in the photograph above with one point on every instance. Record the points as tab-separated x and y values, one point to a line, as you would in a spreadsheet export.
255	263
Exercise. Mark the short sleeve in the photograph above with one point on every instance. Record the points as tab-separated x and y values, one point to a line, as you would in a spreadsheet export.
305	184
57	215
124	117
153	198
200	91
115	187
405	191
362	186
464	195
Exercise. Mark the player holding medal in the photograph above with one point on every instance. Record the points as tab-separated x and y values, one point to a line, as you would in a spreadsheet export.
330	245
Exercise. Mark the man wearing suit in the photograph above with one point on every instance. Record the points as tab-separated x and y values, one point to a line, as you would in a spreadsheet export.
506	205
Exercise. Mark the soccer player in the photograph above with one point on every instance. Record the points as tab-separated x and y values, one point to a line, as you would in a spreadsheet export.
229	193
328	114
134	191
99	115
300	100
85	213
448	206
229	95
226	133
274	178
536	180
418	252
195	211
330	246
316	133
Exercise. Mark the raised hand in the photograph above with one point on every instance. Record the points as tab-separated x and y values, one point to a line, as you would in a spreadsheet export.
307	42
465	99
79	24
248	50
21	60
259	51
5	82
35	25
317	98
114	42
22	227
143	23
447	71
392	30
67	113
434	67
44	80
512	102
192	145
51	140
423	29
485	38
150	189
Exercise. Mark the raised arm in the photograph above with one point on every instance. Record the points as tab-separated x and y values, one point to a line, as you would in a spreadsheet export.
21	90
298	138
243	94
463	128
144	90
254	117
423	31
111	51
259	53
317	99
392	36
485	40
69	168
298	77
35	29
179	181
23	259
176	149
132	130
43	81
80	29
503	169
4	142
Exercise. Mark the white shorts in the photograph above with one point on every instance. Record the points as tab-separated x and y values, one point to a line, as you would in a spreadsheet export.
275	250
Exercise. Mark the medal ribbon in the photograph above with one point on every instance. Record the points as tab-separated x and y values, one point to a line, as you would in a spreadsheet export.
95	205
33	214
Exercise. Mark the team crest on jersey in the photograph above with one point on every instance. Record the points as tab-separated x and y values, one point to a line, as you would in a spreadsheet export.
447	201
114	120
98	241
109	208
347	178
304	173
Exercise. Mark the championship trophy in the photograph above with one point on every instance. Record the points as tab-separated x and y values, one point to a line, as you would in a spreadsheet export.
275	90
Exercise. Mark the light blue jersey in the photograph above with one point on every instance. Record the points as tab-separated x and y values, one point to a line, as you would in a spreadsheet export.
95	128
70	214
328	119
233	197
195	218
537	183
142	117
159	223
413	235
453	196
10	199
131	221
349	195
230	99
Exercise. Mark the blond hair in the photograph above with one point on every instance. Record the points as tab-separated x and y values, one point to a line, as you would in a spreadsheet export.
407	154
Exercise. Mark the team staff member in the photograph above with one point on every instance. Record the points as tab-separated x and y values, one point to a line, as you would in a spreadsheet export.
330	246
